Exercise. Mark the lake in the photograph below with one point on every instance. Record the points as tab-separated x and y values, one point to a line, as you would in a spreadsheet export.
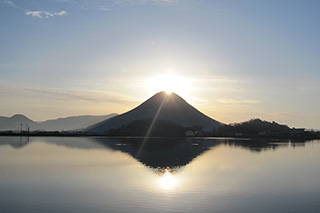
83	174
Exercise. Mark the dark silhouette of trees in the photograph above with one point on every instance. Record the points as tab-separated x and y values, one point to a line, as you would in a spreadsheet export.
146	127
254	127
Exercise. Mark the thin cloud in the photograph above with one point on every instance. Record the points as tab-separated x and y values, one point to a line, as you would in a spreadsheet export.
46	14
231	101
36	13
8	2
61	13
141	2
112	4
102	5
11	89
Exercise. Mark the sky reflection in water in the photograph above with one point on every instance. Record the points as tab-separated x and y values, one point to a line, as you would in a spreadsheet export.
184	175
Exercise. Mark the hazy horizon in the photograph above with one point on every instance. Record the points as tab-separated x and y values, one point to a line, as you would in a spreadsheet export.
232	60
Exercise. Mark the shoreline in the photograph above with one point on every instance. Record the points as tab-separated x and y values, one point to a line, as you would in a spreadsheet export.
82	134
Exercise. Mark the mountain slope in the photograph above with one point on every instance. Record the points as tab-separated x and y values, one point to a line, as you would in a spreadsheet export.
73	122
163	106
2	119
14	123
60	124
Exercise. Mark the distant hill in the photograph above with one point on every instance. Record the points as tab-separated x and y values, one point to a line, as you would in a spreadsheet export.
14	123
2	119
254	127
73	123
69	123
169	107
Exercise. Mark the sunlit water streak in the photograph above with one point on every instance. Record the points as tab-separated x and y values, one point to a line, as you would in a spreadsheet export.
167	181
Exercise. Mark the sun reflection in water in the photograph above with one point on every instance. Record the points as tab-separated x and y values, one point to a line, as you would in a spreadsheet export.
167	181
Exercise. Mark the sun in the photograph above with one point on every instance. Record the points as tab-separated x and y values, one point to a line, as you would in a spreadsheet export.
169	83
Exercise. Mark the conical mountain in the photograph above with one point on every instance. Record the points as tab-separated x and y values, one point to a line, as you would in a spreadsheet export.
170	107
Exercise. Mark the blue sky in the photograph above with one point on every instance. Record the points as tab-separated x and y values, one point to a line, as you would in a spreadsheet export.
233	60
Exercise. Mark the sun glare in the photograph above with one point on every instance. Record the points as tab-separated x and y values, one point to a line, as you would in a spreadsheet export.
167	181
169	83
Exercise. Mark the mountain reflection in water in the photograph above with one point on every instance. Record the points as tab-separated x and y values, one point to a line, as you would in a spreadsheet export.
83	174
158	153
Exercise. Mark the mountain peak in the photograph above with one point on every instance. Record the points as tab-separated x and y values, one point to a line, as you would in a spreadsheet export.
17	121
21	118
18	115
164	94
164	106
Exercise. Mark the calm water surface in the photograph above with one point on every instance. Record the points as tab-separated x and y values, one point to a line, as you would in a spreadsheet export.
56	174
